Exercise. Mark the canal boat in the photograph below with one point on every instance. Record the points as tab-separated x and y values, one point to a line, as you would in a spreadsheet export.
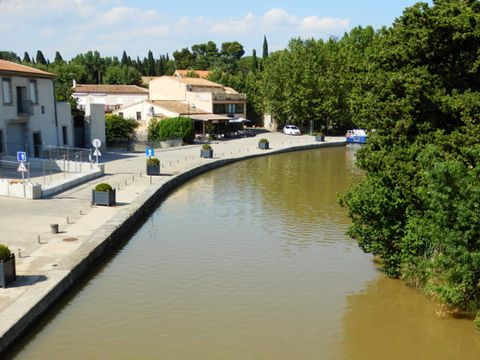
356	136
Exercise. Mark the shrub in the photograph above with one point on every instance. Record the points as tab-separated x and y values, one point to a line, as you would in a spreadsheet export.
103	187
172	128
206	147
116	127
5	252
153	161
477	321
263	141
153	131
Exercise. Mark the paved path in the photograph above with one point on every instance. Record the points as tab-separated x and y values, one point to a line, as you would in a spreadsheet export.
43	258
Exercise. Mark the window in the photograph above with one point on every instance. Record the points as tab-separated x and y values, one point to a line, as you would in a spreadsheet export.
227	108
64	135
139	115
7	91
1	141
32	88
42	109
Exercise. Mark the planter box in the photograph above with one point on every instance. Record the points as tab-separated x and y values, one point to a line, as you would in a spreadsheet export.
319	137
263	145
8	271
206	153
153	169
106	198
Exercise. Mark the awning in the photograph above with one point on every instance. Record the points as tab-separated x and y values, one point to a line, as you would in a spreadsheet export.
209	117
239	120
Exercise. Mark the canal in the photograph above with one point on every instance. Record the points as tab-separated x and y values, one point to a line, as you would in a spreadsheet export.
249	261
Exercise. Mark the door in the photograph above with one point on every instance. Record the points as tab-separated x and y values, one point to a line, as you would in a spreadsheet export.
37	144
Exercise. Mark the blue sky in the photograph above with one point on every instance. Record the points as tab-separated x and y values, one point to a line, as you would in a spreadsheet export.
111	26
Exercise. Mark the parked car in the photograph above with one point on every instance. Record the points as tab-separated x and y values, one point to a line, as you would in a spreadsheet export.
291	130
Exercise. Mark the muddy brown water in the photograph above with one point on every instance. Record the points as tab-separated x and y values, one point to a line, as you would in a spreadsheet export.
249	261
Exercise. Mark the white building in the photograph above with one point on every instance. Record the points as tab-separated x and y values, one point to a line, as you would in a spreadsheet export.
112	97
202	100
30	118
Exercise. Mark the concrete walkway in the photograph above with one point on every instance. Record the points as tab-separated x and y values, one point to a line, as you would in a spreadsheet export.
45	261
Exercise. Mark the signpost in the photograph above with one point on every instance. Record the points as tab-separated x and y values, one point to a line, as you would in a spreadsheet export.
96	144
21	156
149	152
22	168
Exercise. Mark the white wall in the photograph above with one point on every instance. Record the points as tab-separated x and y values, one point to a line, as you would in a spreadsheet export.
42	118
64	115
167	89
95	129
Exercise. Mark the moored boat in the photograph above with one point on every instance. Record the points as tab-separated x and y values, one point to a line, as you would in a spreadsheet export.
356	136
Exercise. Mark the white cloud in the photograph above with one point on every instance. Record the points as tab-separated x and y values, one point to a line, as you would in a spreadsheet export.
233	26
279	17
109	26
310	25
122	15
314	24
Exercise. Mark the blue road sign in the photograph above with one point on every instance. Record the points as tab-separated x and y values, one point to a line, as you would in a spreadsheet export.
150	152
21	156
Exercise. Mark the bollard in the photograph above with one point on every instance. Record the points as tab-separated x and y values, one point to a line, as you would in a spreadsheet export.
38	239
19	253
54	228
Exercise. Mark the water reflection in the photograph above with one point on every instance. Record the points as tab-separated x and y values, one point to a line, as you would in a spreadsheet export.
388	320
247	262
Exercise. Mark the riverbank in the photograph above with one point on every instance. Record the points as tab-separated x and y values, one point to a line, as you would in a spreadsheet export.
49	266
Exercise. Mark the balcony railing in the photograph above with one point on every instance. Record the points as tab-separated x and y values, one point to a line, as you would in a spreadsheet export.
228	97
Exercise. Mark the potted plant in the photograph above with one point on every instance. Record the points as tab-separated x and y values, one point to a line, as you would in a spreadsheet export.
7	266
103	194
263	144
319	136
206	151
153	166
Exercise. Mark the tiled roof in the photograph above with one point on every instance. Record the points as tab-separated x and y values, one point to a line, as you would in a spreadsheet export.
12	68
146	79
200	73
178	107
109	89
195	81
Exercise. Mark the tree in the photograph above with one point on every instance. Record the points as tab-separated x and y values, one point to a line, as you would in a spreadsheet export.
265	48
419	90
122	75
125	59
26	58
40	59
150	66
184	59
58	57
254	61
232	50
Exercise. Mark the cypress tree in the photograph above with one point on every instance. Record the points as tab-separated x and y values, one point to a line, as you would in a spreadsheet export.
40	59
254	61
26	58
58	57
265	47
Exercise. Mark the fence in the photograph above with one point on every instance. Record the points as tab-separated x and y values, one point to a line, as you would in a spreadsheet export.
51	162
